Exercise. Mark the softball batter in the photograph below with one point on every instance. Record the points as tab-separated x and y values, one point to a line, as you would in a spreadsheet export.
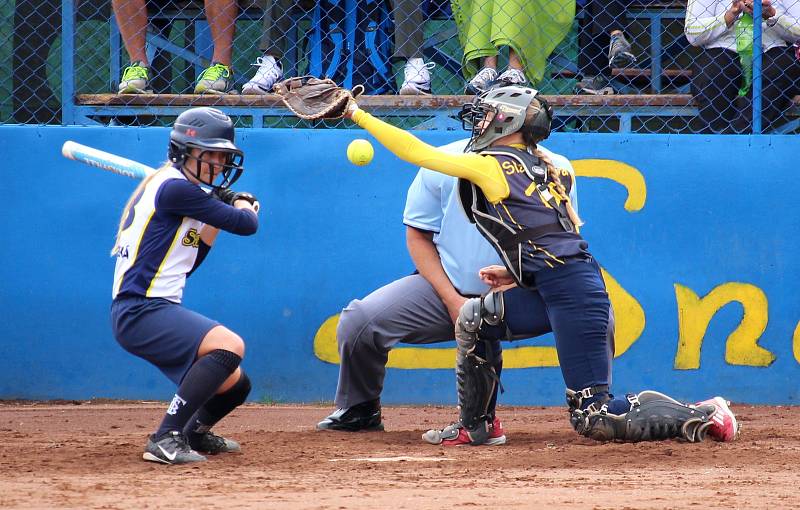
167	228
517	200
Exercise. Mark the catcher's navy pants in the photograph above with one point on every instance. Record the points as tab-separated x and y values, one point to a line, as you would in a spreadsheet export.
578	311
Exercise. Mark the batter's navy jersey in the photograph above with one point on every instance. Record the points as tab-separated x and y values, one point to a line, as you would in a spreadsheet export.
160	238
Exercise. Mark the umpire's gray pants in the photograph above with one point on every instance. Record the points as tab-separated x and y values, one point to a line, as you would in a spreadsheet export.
407	310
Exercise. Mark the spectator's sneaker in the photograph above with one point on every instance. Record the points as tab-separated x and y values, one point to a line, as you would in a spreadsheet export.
171	448
724	427
364	416
214	444
595	85
416	78
482	81
619	52
217	79
269	73
456	435
135	80
513	76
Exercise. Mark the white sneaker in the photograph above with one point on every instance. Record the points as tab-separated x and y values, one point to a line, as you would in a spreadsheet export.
513	76
482	81
268	74
417	78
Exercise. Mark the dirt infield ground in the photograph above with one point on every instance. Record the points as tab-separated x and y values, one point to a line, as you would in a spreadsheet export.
89	456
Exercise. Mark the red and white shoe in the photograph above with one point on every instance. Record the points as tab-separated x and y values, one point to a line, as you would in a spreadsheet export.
724	426
456	435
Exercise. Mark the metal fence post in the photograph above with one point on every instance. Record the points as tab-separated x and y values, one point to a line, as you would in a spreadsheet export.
757	67
67	62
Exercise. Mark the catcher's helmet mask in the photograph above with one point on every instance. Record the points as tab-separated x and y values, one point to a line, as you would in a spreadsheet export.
508	106
208	130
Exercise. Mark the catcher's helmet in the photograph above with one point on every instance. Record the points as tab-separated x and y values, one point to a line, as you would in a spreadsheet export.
209	130
514	108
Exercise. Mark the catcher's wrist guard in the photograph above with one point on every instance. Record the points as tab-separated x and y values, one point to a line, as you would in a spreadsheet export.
313	98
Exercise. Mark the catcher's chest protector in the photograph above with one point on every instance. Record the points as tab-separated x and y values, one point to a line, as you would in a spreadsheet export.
531	224
353	47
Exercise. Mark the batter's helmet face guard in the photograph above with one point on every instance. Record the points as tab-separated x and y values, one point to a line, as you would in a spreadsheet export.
208	130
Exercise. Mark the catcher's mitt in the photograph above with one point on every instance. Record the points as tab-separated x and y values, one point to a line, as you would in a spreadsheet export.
313	98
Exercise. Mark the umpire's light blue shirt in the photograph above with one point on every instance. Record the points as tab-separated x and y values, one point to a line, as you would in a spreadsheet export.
433	205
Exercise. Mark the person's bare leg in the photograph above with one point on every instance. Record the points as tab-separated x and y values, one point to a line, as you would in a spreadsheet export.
513	60
221	15
132	21
490	61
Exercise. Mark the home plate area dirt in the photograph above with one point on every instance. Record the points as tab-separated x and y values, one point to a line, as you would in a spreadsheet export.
87	454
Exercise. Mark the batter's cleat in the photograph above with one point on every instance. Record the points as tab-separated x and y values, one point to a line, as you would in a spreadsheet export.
170	448
513	76
213	444
269	72
456	435
217	79
482	81
365	416
416	78
135	80
724	425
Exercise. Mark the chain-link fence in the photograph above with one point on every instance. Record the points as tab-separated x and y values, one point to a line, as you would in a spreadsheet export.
611	66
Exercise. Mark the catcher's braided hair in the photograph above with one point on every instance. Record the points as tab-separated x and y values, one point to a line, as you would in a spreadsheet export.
531	141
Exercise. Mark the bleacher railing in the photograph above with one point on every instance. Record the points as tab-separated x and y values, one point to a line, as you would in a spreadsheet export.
701	66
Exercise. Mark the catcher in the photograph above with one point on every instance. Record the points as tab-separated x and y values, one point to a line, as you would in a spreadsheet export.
517	200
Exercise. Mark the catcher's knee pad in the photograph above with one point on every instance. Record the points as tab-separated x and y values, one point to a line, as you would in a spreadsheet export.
489	309
652	416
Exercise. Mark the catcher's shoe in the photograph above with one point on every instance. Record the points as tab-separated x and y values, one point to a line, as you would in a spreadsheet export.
214	444
724	425
268	74
456	435
170	448
217	79
364	416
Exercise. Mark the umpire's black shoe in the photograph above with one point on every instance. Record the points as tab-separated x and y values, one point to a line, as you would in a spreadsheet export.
365	416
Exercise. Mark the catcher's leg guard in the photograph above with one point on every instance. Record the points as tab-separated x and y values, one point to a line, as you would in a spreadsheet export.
652	416
475	376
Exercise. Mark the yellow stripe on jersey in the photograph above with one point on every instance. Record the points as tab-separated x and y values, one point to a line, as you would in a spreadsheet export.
138	246
539	248
166	256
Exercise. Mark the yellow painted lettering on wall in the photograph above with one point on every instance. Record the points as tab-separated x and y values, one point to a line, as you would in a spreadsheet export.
695	313
796	343
630	324
628	313
626	175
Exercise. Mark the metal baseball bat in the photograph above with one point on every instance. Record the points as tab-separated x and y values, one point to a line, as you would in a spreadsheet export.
105	160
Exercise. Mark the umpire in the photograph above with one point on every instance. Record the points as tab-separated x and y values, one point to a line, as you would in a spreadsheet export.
421	308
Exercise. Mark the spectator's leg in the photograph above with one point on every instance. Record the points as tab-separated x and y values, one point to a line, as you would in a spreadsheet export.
221	15
277	23
599	19
514	75
780	71
132	21
408	29
716	77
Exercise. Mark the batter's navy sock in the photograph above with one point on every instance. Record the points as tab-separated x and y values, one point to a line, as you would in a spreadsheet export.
198	386
217	407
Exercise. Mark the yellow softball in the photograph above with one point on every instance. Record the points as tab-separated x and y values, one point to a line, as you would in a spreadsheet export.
360	152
